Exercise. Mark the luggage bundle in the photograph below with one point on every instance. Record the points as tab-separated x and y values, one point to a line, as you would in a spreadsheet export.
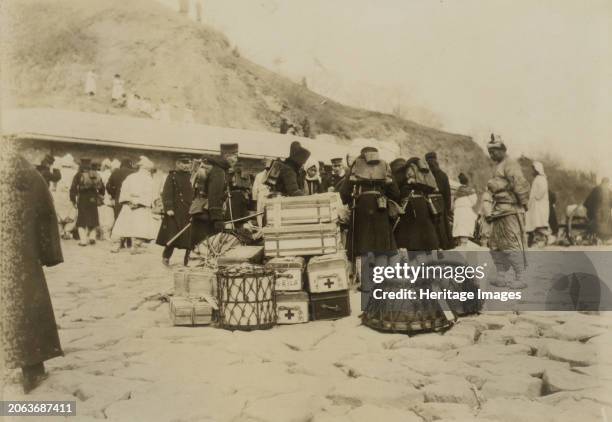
302	238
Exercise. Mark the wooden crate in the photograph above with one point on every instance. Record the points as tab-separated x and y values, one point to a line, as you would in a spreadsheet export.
302	240
311	209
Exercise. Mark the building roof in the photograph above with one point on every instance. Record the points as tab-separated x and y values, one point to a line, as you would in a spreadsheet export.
145	133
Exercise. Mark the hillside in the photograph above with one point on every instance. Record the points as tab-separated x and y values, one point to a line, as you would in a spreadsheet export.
162	55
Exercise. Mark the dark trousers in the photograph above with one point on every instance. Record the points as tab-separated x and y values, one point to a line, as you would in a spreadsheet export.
169	250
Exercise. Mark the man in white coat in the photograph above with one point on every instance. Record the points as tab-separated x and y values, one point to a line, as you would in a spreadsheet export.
136	219
536	219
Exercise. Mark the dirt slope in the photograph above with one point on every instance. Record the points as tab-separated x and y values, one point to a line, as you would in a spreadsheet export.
162	55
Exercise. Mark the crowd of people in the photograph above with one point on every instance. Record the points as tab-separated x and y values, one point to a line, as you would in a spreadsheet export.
405	204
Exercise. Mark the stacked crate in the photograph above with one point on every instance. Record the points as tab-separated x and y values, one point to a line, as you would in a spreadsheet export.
303	233
193	300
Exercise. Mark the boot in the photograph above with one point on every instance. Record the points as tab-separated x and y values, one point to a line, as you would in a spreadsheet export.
82	236
92	236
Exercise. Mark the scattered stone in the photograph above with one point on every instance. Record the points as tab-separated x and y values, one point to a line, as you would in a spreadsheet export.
450	389
430	412
526	365
573	331
368	390
433	341
517	409
556	380
369	413
480	353
512	386
576	354
600	372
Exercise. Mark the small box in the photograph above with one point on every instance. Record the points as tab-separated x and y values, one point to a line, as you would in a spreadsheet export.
189	312
332	305
289	272
241	254
195	282
302	240
292	307
328	273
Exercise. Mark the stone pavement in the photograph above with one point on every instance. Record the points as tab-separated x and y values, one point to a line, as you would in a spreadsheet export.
125	362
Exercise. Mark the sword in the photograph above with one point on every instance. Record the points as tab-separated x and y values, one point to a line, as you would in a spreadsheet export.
248	217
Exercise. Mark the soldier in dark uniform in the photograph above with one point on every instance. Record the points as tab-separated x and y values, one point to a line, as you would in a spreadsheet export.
338	173
239	184
176	196
415	231
445	234
370	230
210	193
50	175
291	178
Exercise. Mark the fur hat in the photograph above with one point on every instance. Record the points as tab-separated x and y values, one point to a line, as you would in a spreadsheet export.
231	148
397	165
431	155
298	154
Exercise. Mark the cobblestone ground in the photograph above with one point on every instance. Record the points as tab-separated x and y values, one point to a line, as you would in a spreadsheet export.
125	362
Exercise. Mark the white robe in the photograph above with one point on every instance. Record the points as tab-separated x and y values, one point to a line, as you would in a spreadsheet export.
464	220
537	208
260	192
138	188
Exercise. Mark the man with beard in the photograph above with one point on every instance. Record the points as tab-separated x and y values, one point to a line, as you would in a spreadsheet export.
177	195
510	193
30	240
442	201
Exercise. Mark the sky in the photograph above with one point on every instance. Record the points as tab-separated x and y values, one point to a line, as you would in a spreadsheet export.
537	72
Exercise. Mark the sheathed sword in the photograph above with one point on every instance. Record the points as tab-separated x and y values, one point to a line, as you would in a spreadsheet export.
238	220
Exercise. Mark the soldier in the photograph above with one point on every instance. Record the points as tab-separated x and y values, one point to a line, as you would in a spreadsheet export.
48	171
291	178
369	185
239	184
176	196
510	193
338	173
415	230
442	201
210	193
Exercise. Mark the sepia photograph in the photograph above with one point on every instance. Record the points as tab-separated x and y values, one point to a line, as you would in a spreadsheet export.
306	210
